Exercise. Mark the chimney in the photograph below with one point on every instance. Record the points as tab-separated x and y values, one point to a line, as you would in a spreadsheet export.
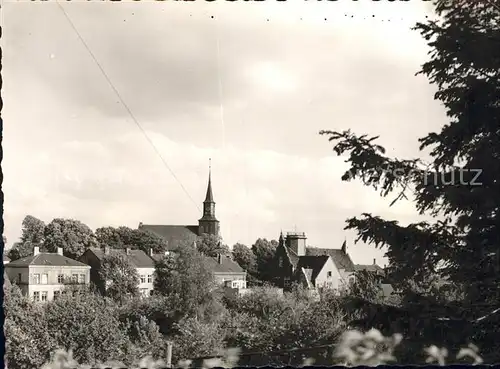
127	250
60	250
36	250
374	261
106	250
219	258
140	225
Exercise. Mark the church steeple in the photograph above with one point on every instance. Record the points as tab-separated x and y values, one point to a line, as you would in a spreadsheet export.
210	196
208	222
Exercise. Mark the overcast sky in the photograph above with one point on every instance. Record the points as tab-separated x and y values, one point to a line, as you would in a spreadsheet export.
250	88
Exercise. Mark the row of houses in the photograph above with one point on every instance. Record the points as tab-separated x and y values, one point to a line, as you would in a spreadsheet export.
44	276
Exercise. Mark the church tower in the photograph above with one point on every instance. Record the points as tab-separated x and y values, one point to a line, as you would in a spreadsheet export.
208	223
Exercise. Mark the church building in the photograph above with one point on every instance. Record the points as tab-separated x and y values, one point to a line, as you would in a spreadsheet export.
176	234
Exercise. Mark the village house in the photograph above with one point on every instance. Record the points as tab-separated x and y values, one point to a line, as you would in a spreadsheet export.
143	262
43	276
311	267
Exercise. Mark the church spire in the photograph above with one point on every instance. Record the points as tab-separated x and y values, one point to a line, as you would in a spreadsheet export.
209	197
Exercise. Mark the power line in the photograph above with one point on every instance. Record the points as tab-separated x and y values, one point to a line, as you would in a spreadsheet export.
124	104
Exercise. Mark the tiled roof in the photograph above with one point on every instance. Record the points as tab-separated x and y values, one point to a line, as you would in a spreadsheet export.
45	258
138	258
173	234
313	263
342	260
226	266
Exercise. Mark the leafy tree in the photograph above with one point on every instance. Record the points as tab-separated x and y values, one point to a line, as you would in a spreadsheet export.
185	278
244	256
87	324
33	230
367	286
21	250
32	235
72	235
462	243
119	276
264	252
123	237
211	245
28	343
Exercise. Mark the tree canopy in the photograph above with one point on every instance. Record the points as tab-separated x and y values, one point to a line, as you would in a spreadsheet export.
71	235
119	276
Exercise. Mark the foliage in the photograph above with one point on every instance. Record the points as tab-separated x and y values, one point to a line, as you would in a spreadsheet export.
72	235
25	331
33	230
244	256
196	338
120	277
123	237
211	245
264	252
185	279
87	325
367	286
32	234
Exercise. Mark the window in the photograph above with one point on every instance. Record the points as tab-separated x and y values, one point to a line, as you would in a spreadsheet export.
151	292
60	278
150	278
329	274
74	278
280	262
81	278
36	278
45	278
36	296
56	295
44	295
143	278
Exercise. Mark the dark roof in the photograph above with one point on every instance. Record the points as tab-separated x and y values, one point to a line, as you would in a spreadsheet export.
374	268
341	259
138	258
174	235
226	266
45	258
314	263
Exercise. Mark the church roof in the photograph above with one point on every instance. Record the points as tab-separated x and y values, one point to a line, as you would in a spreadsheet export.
341	259
174	235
